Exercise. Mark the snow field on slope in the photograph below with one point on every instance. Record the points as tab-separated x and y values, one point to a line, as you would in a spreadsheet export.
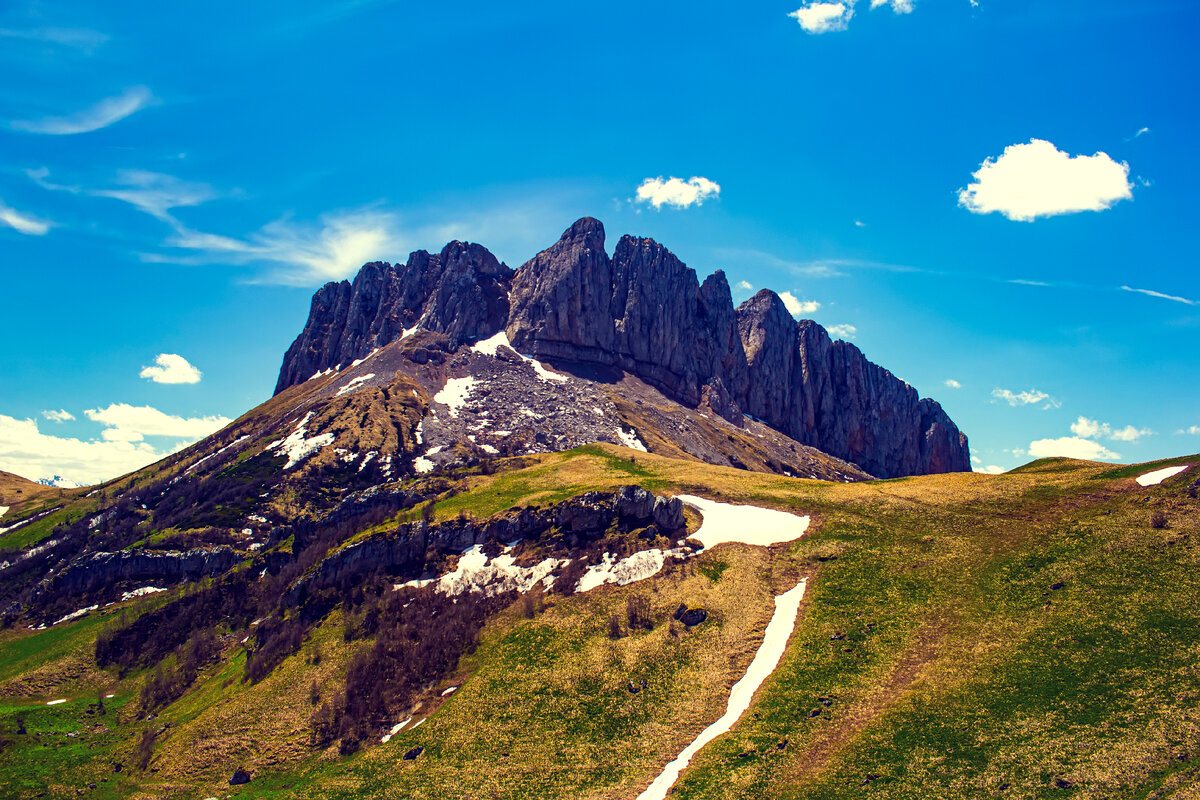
1160	475
724	522
296	447
779	630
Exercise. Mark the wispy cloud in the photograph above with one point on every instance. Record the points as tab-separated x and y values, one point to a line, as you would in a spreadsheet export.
1029	397
744	286
23	223
1141	132
171	368
952	384
107	112
61	415
1036	179
1161	295
78	38
157	194
676	192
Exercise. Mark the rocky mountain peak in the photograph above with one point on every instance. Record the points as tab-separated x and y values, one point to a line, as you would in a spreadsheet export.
644	312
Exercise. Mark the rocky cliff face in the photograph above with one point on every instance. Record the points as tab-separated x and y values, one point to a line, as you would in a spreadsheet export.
461	292
642	311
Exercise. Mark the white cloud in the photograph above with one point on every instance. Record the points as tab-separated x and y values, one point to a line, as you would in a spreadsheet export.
1161	296
27	451
23	223
953	384
1038	180
58	416
858	223
1129	434
1194	430
796	306
1094	429
171	368
1071	447
126	423
842	331
676	191
1141	132
991	469
107	112
819	17
823	16
744	286
1028	397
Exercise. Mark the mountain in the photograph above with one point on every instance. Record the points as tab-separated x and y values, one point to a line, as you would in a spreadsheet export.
557	533
640	313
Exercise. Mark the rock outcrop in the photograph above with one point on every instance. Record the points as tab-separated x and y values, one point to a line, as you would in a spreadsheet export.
461	292
99	570
643	311
576	520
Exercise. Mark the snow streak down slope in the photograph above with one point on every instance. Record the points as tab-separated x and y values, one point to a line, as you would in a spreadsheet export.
779	630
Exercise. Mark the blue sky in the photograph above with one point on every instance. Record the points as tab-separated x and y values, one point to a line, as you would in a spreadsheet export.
961	188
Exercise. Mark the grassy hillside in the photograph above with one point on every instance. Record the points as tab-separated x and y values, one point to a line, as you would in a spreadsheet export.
1024	635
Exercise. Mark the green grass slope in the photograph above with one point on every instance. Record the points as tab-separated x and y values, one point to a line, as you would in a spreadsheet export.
1025	635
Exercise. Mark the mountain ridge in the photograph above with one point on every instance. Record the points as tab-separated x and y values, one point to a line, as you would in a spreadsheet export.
644	312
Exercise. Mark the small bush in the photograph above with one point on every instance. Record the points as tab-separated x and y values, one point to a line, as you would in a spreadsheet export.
614	627
1158	520
637	610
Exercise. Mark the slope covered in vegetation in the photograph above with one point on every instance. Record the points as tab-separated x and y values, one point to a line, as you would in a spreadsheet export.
1024	635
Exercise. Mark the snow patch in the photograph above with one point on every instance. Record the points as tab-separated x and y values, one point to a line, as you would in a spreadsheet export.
83	612
409	331
724	522
354	383
630	439
450	691
454	394
487	448
321	373
489	346
475	573
4	510
422	465
636	567
396	728
297	448
367	460
1160	475
779	630
358	361
142	592
55	702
